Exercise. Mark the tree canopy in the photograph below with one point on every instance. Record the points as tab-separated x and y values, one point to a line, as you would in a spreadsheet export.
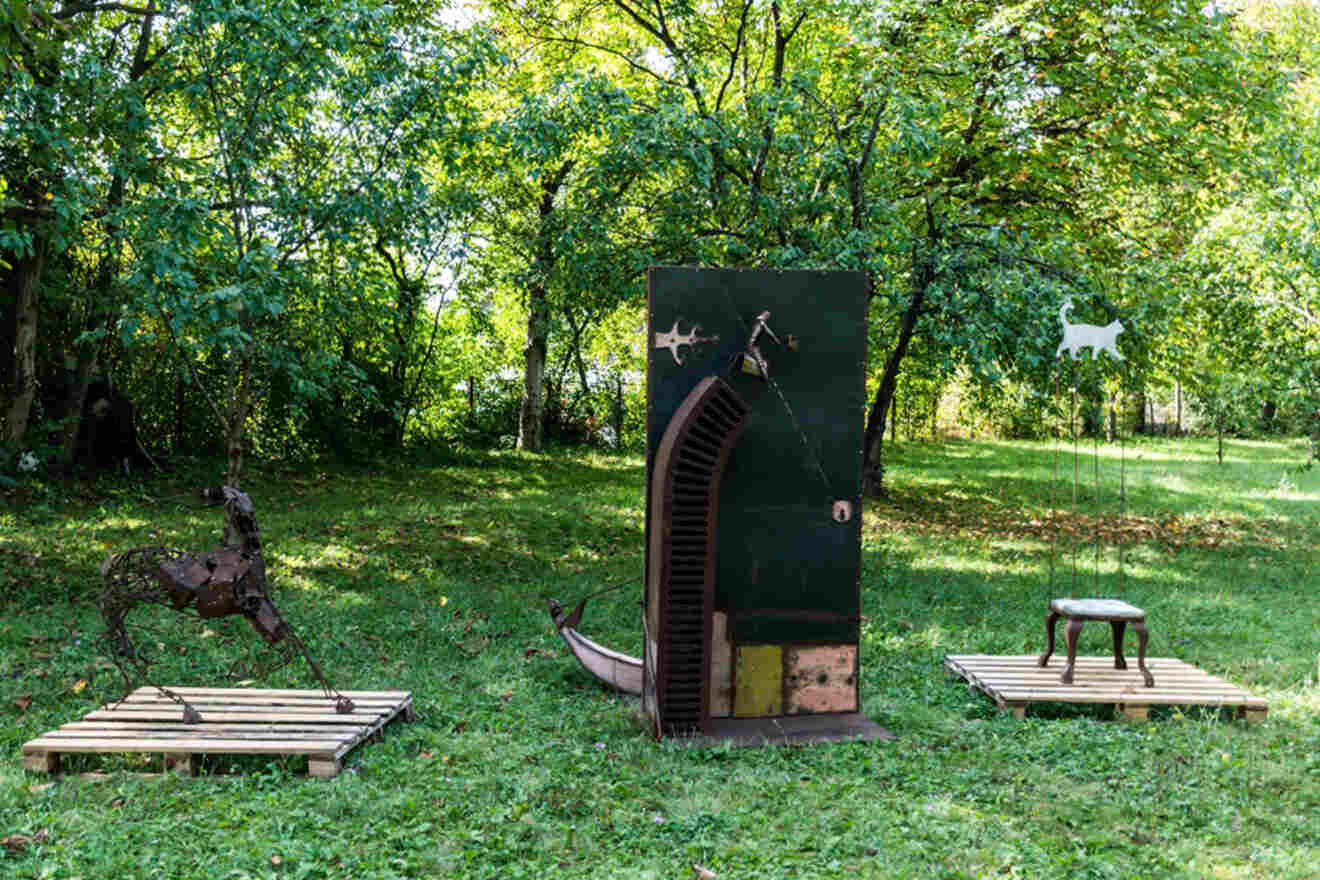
287	226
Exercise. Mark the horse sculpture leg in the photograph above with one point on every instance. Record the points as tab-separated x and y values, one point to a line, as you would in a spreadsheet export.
132	580
134	667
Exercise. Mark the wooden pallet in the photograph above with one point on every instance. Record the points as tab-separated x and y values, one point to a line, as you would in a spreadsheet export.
1013	681
235	721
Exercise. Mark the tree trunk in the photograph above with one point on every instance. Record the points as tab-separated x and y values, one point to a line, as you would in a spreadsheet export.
100	298
88	358
873	469
1092	420
1140	425
22	379
234	452
531	415
180	438
8	333
618	411
239	408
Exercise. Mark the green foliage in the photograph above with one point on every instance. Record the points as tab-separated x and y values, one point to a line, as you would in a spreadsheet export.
295	212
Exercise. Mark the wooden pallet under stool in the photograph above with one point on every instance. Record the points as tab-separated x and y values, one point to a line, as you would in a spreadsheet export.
1013	681
235	721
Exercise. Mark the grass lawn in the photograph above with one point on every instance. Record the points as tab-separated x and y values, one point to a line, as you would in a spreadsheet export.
433	578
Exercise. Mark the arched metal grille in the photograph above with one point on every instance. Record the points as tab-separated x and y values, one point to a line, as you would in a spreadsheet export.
685	481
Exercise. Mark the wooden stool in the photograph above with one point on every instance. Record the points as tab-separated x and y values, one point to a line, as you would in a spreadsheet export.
1078	611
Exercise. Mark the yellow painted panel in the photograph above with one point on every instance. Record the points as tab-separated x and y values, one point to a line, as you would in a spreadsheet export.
759	681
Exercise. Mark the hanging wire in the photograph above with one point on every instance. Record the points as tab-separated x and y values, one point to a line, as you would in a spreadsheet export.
1054	490
813	459
1072	419
1099	532
1122	486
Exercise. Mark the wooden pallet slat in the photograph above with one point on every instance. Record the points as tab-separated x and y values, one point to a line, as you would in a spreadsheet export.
174	713
1015	681
234	721
243	699
275	692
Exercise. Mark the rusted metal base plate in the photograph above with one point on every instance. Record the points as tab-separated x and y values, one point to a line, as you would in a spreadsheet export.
235	721
790	730
1014	681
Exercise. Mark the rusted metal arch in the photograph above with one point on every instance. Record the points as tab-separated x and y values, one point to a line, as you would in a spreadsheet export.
685	485
680	580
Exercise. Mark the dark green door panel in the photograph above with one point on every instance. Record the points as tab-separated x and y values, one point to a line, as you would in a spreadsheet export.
787	571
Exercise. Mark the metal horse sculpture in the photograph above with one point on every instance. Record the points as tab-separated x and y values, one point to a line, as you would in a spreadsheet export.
223	583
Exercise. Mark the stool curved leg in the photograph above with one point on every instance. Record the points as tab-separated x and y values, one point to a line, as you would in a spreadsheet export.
1119	627
1139	626
1050	620
1074	631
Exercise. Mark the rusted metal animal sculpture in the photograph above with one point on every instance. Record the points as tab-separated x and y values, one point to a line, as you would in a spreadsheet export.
226	582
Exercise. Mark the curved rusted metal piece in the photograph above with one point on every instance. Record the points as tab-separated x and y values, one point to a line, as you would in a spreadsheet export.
620	671
680	578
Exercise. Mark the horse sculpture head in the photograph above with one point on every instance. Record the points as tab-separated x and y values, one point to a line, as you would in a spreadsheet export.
250	596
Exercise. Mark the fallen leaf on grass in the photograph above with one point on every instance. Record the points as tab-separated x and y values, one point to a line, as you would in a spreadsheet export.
80	685
703	872
18	842
38	788
23	702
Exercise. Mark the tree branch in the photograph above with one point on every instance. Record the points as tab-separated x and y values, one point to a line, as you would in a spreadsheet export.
80	8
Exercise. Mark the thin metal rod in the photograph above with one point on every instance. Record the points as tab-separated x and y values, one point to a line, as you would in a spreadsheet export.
1054	491
1072	418
1099	531
813	459
1122	489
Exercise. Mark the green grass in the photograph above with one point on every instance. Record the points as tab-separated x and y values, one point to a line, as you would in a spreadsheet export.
434	579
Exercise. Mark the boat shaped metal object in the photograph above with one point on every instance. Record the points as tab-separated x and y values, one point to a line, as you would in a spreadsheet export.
619	671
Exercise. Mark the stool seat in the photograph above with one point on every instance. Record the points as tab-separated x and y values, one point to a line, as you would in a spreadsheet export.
1098	609
1116	612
